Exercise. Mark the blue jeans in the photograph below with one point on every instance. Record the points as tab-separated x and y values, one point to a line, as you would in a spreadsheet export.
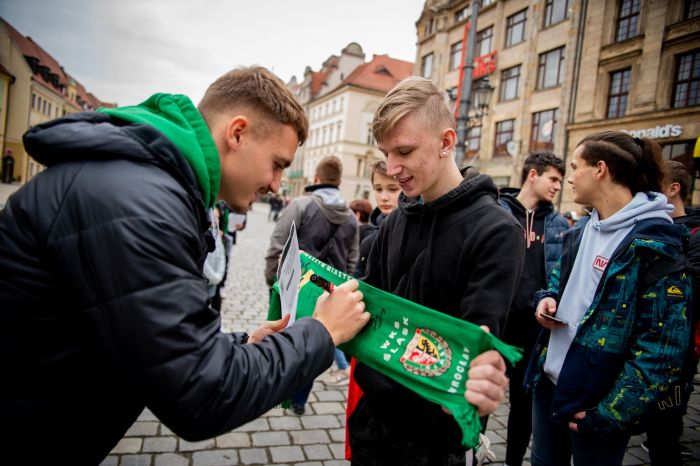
340	360
553	443
300	397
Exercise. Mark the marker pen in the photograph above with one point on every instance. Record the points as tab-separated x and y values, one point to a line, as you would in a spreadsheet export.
322	283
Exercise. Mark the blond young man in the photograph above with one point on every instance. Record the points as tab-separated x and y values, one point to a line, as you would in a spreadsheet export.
448	246
103	304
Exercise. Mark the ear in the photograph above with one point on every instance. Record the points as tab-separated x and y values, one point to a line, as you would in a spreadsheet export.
448	138
672	190
235	130
532	174
601	169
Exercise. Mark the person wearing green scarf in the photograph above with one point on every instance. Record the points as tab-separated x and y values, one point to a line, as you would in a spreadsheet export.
101	284
448	246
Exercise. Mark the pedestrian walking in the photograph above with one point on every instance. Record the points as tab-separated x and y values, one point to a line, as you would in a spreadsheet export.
327	229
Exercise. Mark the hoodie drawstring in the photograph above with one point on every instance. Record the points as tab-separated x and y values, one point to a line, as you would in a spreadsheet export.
529	227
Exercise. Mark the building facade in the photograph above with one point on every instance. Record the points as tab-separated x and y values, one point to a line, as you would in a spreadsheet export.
37	90
563	69
340	117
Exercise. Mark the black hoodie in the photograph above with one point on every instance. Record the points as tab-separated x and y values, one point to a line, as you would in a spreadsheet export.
104	308
461	254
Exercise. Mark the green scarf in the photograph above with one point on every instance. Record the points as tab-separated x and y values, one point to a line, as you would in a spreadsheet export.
179	120
424	350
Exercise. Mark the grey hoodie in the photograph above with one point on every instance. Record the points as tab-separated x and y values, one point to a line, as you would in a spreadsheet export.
326	228
599	241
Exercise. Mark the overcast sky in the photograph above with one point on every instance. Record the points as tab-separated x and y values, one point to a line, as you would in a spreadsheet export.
125	50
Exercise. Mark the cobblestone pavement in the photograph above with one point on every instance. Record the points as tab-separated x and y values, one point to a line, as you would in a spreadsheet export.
279	437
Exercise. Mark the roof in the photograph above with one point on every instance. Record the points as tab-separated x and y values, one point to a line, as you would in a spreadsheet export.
47	70
381	73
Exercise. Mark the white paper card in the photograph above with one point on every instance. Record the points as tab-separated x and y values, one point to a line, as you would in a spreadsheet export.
289	274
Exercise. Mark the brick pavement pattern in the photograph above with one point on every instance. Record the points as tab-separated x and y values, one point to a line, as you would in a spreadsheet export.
279	437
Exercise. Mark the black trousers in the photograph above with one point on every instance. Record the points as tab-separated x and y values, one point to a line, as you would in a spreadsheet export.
374	443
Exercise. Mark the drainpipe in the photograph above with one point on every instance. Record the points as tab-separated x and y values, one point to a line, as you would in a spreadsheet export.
466	93
574	85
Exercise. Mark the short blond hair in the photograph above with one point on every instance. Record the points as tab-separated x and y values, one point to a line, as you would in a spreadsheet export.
258	89
412	95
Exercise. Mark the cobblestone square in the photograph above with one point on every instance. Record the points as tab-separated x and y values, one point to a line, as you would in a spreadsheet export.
279	437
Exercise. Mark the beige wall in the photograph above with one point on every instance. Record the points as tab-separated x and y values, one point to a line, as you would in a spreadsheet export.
350	145
651	57
19	102
525	54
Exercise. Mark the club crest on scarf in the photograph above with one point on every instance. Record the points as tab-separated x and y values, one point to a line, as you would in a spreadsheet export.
427	354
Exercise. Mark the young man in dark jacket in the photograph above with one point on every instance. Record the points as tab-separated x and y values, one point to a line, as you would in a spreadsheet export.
531	205
103	306
448	246
327	229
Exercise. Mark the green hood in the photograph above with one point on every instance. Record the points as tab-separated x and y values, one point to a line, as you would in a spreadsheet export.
179	120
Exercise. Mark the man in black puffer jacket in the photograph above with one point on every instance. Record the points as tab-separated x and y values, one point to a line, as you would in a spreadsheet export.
103	306
449	246
532	206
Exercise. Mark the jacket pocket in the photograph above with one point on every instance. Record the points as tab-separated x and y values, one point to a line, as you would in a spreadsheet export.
587	376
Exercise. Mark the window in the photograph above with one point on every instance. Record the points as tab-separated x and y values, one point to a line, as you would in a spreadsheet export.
48	111
461	14
619	90
515	28
549	71
627	19
692	9
686	89
473	142
455	55
680	151
426	68
429	26
370	137
338	126
33	100
484	41
544	126
510	78
555	11
504	134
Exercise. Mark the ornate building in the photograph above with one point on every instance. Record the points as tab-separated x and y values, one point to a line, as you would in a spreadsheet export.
566	68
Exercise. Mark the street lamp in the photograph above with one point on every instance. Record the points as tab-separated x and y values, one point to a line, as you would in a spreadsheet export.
482	98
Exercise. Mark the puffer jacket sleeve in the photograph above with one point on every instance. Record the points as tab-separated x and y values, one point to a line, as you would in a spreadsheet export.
134	265
655	357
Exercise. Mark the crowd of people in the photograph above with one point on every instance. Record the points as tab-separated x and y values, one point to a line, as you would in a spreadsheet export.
114	258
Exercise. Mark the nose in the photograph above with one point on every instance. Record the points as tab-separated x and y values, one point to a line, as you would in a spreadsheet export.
570	179
392	166
557	185
275	183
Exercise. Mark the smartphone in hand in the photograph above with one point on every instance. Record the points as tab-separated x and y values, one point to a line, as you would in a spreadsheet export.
554	319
